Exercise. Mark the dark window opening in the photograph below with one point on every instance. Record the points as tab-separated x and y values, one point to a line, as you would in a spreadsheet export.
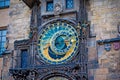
49	6
69	4
4	3
24	57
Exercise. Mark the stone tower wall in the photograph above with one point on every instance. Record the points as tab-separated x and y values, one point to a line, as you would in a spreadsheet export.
105	17
20	15
17	21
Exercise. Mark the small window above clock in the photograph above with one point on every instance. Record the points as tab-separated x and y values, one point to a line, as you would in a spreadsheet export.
69	4
49	6
4	3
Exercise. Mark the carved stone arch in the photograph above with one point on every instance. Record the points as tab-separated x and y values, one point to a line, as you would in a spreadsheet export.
57	74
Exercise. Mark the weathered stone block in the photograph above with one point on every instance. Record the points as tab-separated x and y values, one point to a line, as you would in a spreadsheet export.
101	71
93	54
100	77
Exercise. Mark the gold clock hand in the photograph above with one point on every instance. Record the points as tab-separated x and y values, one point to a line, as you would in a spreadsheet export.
72	40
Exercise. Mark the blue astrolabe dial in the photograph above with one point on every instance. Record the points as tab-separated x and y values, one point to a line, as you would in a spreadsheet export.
58	43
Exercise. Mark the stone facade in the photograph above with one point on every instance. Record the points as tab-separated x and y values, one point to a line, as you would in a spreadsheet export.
104	17
4	14
16	19
4	22
18	28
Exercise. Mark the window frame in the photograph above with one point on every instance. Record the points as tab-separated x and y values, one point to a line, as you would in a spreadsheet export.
67	7
22	65
49	1
4	4
2	47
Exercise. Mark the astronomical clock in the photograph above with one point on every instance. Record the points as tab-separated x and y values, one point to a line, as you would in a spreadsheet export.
56	48
58	42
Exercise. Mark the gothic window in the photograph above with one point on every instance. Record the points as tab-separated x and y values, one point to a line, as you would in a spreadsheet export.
2	40
4	3
69	4
24	55
49	6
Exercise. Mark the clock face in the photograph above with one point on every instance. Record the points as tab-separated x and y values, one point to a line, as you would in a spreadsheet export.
58	42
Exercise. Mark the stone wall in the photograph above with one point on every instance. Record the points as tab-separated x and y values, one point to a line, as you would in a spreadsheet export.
19	22
105	17
4	22
4	17
6	64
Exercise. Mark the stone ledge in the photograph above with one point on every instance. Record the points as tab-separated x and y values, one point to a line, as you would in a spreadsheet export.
108	40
